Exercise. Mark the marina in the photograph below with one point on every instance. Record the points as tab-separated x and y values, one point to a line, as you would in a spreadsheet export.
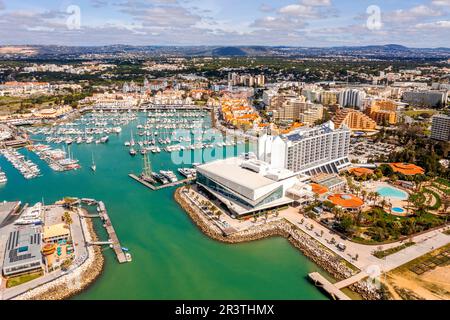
157	230
57	159
27	168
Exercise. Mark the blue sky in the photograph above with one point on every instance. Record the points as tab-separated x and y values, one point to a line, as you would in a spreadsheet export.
417	23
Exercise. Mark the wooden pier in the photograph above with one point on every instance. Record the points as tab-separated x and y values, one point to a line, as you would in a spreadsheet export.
327	286
114	240
155	188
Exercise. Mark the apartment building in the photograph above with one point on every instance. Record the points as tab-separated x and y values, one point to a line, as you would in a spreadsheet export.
353	119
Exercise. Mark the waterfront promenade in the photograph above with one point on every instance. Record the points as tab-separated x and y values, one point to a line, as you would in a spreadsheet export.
424	243
359	256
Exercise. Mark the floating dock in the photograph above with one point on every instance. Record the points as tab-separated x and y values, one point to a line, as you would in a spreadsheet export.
327	286
155	188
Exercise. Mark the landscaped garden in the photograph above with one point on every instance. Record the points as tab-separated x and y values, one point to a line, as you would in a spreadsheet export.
15	281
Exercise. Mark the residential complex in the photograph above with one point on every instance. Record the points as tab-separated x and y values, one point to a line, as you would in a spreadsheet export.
294	108
351	98
235	79
353	119
440	128
426	98
383	112
238	113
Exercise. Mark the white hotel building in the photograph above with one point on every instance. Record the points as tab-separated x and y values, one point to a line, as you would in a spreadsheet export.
321	149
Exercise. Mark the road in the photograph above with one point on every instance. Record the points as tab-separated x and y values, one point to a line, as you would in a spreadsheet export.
425	243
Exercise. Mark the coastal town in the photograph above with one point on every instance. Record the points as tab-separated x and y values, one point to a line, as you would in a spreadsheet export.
354	173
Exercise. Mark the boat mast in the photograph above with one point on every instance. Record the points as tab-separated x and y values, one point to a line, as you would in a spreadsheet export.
147	167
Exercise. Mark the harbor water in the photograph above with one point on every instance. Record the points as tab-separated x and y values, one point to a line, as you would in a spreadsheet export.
172	258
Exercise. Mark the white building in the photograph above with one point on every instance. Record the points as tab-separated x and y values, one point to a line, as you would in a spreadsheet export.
440	128
428	98
351	98
247	186
308	150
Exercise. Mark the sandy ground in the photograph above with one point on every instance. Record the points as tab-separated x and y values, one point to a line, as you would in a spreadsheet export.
432	285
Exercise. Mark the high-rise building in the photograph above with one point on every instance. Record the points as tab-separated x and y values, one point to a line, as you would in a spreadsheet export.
351	98
295	108
430	99
440	128
383	112
353	119
308	150
328	98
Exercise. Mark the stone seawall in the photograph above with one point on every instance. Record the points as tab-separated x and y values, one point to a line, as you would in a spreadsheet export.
337	267
323	257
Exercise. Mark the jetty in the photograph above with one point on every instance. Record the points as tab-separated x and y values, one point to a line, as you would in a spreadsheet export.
155	187
114	240
327	286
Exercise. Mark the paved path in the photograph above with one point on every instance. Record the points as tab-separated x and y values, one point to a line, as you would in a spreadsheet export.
425	243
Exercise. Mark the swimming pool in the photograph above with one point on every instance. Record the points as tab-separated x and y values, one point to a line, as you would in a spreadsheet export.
398	210
391	192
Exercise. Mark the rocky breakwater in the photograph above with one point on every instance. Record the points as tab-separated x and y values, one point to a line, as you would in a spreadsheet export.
315	251
75	280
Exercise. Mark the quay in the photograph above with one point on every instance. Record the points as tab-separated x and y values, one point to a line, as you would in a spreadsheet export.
327	286
155	188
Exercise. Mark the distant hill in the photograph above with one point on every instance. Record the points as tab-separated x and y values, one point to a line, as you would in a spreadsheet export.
387	51
228	51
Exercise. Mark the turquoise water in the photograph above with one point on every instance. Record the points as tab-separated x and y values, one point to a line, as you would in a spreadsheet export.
172	259
391	192
398	210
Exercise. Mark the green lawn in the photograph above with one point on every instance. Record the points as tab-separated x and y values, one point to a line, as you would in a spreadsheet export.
384	253
413	113
12	282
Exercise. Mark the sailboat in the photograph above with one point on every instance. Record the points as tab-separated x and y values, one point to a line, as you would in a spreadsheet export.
93	166
132	142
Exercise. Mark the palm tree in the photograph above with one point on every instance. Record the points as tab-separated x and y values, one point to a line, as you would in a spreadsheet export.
67	218
383	203
376	196
364	194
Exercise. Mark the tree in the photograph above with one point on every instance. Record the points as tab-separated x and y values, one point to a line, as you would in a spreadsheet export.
67	218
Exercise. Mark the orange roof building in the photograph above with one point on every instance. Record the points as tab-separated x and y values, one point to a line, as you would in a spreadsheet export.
347	201
237	112
360	171
407	168
354	120
318	189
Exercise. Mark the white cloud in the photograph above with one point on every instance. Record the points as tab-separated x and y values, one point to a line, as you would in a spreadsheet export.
443	24
316	3
278	23
414	13
298	10
444	3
